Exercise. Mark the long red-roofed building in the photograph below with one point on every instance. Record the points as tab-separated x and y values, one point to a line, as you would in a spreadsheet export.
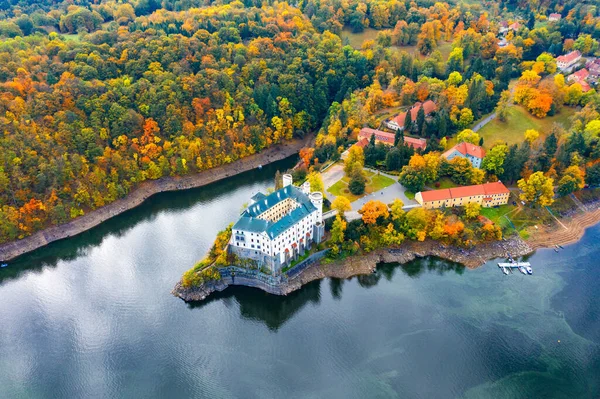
487	195
389	138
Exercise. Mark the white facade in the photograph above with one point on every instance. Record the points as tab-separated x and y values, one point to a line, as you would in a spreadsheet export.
276	229
475	161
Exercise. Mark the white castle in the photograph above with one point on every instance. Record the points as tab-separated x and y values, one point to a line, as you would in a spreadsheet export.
277	228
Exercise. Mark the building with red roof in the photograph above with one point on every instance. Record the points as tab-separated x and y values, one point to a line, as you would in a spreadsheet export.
487	195
554	17
397	123
579	76
568	60
472	152
389	138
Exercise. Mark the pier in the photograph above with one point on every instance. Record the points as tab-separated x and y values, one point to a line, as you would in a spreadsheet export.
523	267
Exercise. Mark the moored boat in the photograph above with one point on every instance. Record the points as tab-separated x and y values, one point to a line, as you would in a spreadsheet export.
529	270
522	269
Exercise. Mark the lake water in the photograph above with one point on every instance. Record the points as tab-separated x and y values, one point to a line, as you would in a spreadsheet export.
93	317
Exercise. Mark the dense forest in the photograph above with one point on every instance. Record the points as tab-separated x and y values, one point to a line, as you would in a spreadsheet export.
98	96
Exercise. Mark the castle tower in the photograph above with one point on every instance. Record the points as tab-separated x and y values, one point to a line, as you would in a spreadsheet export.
317	200
306	187
287	180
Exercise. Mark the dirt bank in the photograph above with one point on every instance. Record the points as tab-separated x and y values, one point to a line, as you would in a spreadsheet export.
13	249
567	232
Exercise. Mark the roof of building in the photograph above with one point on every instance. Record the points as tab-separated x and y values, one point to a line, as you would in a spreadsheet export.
428	106
555	15
466	149
585	87
515	25
415	143
362	143
249	220
568	58
257	197
465	191
367	132
580	75
388	138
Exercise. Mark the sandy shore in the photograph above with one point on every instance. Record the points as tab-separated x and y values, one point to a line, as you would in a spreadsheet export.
13	249
568	231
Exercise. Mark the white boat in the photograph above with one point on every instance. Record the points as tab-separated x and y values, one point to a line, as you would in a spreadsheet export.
504	270
529	270
522	269
3	264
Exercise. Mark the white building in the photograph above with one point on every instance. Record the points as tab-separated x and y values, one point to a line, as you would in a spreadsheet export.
277	228
472	152
568	60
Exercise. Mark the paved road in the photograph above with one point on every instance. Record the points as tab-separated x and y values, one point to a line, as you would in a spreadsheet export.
332	175
484	122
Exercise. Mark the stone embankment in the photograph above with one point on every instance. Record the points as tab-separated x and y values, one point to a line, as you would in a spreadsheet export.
365	264
148	188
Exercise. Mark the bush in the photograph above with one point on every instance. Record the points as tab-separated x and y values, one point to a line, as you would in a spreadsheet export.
195	278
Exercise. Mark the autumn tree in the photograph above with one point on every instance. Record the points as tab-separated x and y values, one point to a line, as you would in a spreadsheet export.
531	135
472	210
372	210
341	204
337	230
468	136
537	189
571	180
316	182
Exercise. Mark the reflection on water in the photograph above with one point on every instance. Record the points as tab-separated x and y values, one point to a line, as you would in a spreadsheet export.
93	317
257	305
168	202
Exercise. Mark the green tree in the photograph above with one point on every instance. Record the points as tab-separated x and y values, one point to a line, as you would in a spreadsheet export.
571	181
493	162
413	179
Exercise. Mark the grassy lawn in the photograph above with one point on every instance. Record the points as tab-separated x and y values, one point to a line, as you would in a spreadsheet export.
494	214
520	120
356	40
445	182
409	194
375	182
379	182
74	37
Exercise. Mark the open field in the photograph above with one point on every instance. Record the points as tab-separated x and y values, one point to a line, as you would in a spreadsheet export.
356	40
518	121
374	183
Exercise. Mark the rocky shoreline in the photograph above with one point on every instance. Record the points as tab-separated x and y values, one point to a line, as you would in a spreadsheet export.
366	264
13	249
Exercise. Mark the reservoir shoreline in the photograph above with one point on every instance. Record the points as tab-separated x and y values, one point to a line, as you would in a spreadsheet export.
567	232
145	190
